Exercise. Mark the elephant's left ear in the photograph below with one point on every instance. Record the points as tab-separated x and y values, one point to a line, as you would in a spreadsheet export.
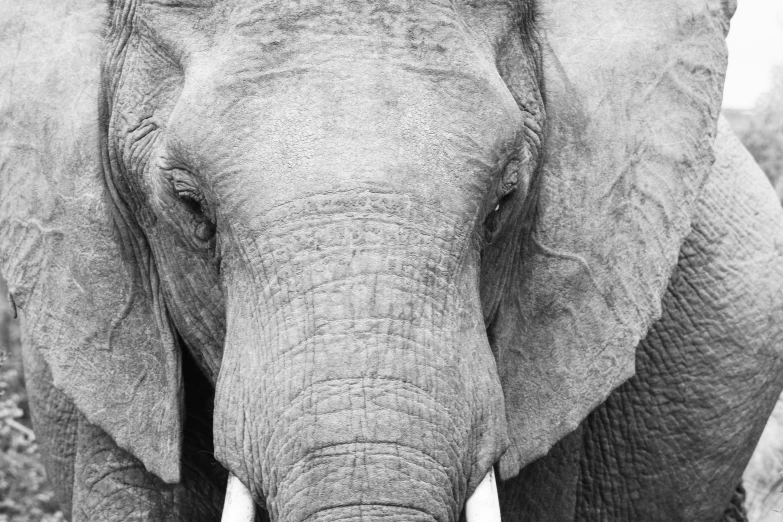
87	307
632	91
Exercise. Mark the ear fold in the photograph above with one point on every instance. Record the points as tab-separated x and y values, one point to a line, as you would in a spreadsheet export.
87	307
632	92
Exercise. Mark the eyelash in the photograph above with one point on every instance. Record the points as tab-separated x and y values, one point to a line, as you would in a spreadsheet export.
192	199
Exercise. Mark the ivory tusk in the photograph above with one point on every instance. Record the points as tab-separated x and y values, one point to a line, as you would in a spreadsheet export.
483	504
239	505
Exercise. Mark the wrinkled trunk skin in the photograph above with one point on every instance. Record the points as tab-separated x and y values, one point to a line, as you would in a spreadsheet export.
357	382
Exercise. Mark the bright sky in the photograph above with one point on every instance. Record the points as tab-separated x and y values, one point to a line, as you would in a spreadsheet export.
755	48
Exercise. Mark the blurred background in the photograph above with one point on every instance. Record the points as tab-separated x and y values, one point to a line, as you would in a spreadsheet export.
753	103
753	95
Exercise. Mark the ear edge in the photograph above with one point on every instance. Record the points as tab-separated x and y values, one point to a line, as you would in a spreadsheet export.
102	335
513	348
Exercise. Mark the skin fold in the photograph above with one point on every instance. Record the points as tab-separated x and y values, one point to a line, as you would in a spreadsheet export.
357	254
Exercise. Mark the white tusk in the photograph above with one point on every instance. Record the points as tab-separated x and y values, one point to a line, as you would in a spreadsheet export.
483	504
239	505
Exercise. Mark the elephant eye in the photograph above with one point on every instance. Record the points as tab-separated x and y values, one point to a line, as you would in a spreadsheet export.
204	228
195	204
191	200
493	223
513	176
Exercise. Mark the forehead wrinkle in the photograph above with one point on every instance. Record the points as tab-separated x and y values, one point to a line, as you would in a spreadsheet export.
369	28
260	44
284	38
338	15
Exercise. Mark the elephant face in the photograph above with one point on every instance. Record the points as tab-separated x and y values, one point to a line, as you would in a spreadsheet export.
332	202
405	241
212	157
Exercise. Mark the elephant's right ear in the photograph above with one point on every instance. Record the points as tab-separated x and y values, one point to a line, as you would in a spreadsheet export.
88	307
632	91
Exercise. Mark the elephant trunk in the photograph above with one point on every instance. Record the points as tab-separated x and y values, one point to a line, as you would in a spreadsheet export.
357	381
350	438
482	506
382	473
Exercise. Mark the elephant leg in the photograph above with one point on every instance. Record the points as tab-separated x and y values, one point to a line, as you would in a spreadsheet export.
672	442
95	480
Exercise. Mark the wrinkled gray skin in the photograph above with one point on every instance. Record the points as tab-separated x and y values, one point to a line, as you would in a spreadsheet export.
357	253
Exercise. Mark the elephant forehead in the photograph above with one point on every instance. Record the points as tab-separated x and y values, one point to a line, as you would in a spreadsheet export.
378	108
339	128
292	97
284	29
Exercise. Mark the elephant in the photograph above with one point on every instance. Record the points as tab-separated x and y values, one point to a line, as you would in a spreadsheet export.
361	260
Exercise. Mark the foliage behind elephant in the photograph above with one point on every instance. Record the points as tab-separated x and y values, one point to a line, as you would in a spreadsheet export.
400	242
763	477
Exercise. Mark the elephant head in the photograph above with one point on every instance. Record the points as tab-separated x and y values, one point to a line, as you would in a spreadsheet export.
406	241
